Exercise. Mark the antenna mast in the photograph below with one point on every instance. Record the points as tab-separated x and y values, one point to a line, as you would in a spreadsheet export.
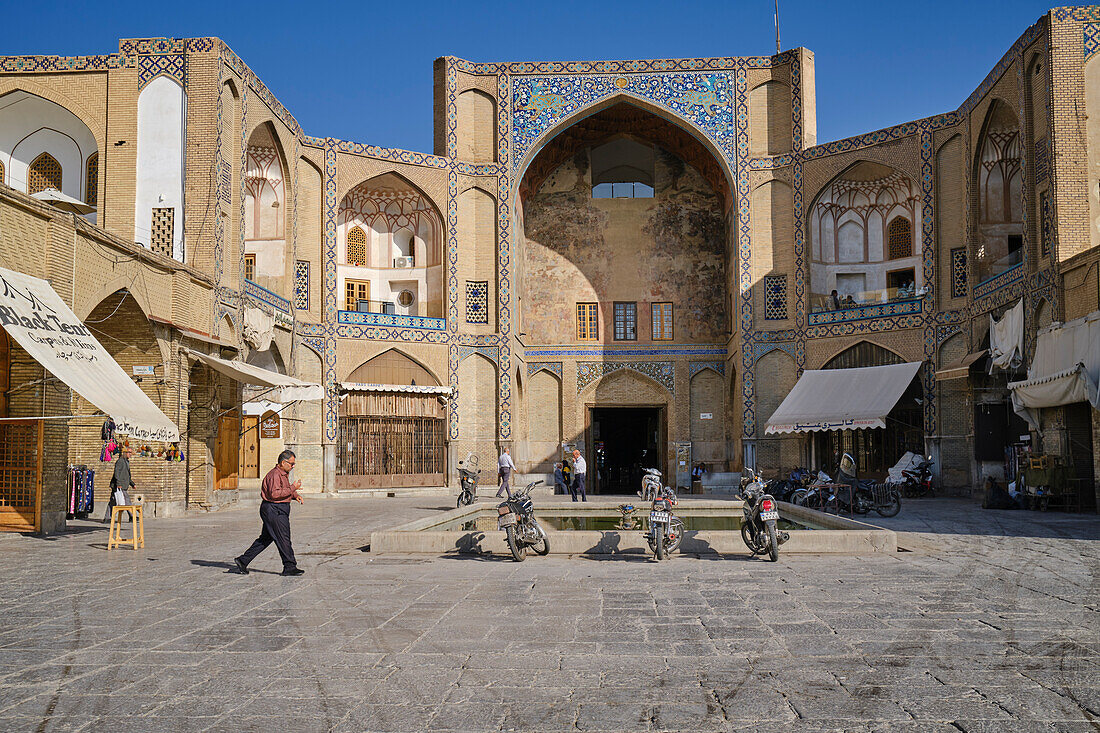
778	48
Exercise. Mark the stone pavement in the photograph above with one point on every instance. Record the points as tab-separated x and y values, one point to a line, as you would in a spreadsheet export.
988	623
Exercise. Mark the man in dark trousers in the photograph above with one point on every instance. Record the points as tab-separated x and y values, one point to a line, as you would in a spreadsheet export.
276	492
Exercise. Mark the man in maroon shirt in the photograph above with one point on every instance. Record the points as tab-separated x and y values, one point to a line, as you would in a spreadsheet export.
276	492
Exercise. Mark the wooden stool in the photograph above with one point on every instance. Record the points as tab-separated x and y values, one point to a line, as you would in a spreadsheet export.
114	535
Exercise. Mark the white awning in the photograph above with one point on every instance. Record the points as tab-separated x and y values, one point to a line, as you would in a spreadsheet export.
413	388
842	399
286	389
959	369
40	322
1065	369
1006	338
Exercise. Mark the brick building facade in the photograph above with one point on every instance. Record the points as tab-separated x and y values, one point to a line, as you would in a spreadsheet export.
636	253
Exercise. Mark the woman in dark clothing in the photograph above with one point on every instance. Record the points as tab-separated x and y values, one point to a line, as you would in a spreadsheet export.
120	480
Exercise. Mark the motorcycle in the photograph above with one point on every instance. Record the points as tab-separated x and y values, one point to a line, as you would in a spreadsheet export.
651	484
816	495
666	530
917	481
761	513
467	479
866	494
516	516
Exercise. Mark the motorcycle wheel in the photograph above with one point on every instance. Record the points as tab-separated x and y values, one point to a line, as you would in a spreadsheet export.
747	536
463	499
659	545
676	527
773	542
519	550
542	547
892	508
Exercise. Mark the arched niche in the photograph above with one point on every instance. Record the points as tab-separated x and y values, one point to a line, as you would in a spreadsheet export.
475	128
849	236
389	241
393	367
580	245
161	134
31	126
998	184
770	119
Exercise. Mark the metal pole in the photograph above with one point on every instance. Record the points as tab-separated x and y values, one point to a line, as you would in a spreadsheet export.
778	48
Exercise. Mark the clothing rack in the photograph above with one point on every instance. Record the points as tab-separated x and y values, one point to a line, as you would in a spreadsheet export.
81	491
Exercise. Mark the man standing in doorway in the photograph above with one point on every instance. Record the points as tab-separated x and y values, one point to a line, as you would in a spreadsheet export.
580	468
505	466
276	492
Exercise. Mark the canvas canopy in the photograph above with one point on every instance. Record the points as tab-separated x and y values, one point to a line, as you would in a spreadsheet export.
959	369
286	389
842	399
410	388
39	321
1066	369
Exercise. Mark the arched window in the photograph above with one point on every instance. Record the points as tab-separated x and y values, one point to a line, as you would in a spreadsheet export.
357	247
91	180
45	172
1	172
899	237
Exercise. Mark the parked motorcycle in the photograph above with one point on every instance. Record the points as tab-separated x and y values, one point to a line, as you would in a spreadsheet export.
817	494
761	513
917	481
666	530
866	494
651	484
516	516
467	480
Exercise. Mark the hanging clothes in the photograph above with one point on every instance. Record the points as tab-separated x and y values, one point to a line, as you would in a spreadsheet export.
81	492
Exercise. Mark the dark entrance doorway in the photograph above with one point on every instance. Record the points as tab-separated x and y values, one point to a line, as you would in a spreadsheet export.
622	441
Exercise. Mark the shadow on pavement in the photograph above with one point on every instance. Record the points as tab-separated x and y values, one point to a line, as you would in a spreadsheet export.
955	516
229	567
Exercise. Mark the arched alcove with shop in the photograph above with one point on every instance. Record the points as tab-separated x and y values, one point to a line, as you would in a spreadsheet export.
391	425
875	449
262	420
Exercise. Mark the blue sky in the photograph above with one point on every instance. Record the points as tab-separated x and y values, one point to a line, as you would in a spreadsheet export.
878	63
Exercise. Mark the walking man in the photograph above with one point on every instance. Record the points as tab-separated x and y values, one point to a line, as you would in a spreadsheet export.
276	492
120	480
504	472
580	468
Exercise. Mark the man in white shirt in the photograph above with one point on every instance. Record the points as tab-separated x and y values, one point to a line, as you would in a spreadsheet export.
504	472
580	468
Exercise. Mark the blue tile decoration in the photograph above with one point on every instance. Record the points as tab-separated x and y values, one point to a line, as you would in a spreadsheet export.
1047	230
612	352
357	318
590	372
554	367
1091	40
174	66
791	347
997	282
301	284
388	333
865	312
477	301
959	272
1042	160
775	297
718	367
264	295
492	353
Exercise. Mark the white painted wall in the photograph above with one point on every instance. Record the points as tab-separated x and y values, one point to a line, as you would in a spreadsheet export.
31	125
162	116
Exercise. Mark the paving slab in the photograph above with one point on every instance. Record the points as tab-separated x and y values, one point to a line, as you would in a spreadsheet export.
987	621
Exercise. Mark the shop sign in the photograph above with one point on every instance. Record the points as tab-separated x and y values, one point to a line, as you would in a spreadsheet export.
270	425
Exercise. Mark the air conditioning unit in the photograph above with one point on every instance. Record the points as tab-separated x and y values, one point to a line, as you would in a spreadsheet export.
389	308
403	262
362	306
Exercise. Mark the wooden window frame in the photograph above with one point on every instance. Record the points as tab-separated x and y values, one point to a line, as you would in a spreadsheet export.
588	321
655	317
249	268
366	247
628	306
351	302
908	231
